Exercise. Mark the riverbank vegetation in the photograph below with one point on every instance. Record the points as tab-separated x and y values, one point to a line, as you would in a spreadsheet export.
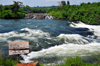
85	12
28	9
6	61
11	11
77	61
18	10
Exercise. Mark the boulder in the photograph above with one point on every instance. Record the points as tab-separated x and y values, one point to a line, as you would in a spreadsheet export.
28	16
82	29
87	33
39	16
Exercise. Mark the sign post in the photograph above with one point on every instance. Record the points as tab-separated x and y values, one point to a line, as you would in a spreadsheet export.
18	58
18	48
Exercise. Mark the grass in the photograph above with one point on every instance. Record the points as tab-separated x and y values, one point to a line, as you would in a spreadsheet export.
77	61
6	62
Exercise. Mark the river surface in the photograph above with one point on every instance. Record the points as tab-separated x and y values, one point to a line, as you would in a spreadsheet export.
51	40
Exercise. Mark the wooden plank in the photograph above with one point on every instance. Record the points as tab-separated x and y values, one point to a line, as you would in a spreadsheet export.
18	45
18	48
13	52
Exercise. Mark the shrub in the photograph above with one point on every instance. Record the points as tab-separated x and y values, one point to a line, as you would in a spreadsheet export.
86	12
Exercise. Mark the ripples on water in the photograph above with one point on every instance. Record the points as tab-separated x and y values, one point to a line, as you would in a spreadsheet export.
51	40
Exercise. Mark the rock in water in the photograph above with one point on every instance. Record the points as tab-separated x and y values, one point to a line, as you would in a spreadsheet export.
28	16
82	29
38	16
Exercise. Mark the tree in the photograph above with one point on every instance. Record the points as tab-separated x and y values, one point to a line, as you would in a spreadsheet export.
88	3
6	7
82	4
15	7
62	3
1	6
68	3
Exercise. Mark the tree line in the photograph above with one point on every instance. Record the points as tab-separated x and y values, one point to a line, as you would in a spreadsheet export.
18	10
27	9
86	12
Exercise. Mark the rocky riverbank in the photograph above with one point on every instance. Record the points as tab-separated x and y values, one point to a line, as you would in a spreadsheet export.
38	16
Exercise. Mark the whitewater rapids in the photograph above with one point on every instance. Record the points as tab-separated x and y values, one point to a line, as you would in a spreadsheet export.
73	45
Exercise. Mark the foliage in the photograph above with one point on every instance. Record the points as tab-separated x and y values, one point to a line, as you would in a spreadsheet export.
11	11
27	9
86	12
8	14
6	62
1	6
68	3
14	7
18	10
63	3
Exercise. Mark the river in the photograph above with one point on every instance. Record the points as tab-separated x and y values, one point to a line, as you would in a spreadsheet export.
51	40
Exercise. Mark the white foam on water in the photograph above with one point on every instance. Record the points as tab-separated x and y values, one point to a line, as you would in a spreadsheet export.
95	28
64	50
75	43
30	34
69	49
73	38
49	17
5	36
37	33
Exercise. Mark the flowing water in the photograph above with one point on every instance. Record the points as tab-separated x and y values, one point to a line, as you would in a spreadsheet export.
51	40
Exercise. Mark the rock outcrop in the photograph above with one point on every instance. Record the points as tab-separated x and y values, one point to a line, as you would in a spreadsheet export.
38	16
28	16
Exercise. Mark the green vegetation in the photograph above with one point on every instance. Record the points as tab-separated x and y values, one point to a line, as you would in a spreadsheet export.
18	10
68	3
11	11
63	3
85	12
77	61
27	9
7	61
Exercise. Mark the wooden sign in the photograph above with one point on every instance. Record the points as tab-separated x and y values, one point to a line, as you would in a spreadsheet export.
18	48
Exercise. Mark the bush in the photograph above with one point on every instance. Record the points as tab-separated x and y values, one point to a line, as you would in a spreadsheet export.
11	11
6	62
86	12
